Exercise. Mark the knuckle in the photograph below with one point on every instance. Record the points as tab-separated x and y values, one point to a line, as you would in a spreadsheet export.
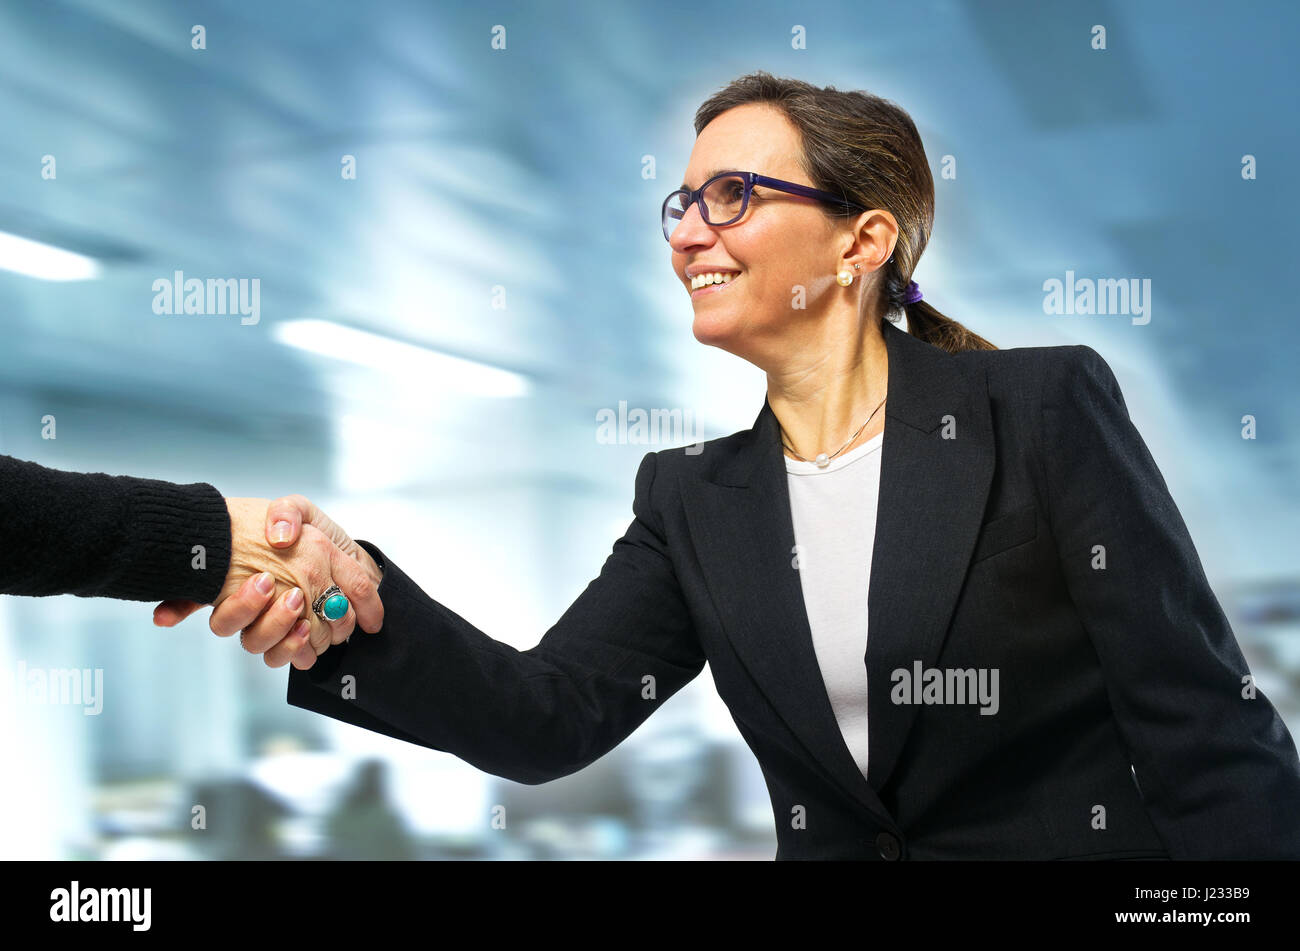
282	606
344	626
282	652
317	576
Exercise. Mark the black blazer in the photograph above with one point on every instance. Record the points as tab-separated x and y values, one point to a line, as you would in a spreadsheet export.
1125	726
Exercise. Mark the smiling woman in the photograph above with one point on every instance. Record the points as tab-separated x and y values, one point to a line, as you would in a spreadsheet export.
991	517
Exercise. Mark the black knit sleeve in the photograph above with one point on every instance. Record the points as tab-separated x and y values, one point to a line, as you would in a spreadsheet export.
102	536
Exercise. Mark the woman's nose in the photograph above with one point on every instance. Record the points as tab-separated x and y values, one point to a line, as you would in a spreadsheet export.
691	229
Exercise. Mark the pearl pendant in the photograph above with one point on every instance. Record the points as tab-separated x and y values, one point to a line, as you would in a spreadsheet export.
822	460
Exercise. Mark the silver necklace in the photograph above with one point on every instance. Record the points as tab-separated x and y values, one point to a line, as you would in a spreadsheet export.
823	460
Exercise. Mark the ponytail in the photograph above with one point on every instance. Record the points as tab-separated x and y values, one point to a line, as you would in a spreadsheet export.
926	323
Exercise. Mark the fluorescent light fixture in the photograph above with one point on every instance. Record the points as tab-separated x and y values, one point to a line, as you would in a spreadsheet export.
44	260
398	358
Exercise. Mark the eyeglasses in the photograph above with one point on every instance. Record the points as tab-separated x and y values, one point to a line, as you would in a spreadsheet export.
725	197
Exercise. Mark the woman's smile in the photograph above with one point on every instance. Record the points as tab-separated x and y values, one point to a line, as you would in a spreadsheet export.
713	288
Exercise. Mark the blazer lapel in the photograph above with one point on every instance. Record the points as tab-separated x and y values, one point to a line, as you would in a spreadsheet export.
932	496
936	469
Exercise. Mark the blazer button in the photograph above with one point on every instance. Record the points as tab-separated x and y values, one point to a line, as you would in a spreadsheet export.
887	843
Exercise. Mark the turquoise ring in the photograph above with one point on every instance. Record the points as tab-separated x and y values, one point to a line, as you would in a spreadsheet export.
331	605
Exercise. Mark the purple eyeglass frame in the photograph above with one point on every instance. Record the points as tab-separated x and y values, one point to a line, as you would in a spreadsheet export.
751	179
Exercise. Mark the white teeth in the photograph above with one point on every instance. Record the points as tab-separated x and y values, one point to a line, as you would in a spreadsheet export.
716	277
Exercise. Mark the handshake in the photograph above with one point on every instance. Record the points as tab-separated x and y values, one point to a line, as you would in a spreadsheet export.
283	556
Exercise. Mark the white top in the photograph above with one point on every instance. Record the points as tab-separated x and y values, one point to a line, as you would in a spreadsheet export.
834	514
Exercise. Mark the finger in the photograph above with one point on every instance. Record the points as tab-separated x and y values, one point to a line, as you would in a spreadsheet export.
321	563
242	608
305	657
342	629
284	518
348	576
322	633
275	623
171	613
364	606
281	653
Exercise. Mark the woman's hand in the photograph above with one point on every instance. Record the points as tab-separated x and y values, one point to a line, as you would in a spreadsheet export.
285	628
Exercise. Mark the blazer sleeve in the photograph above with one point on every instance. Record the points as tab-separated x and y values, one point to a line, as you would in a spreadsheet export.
1216	767
431	678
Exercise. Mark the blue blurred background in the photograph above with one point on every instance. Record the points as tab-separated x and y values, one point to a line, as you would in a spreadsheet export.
491	279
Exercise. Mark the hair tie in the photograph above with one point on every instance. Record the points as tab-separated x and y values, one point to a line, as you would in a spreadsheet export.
913	292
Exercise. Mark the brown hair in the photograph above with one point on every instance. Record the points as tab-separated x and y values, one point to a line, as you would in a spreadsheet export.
866	149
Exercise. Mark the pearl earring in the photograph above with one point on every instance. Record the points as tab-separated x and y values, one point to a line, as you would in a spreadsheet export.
845	277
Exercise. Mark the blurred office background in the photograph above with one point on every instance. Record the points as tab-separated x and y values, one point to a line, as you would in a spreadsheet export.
436	336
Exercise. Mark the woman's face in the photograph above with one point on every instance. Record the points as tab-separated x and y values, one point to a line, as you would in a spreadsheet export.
782	243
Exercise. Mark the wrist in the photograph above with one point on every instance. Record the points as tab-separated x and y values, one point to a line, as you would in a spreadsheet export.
248	548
